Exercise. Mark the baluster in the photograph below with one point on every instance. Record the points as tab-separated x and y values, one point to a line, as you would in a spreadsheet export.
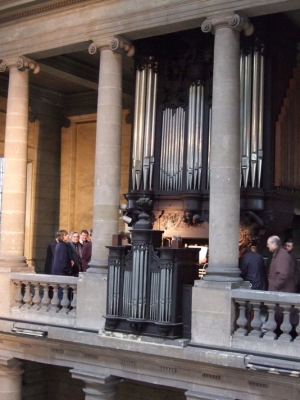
18	296
65	301
36	298
256	321
271	324
27	297
286	326
242	320
74	300
55	300
46	299
297	328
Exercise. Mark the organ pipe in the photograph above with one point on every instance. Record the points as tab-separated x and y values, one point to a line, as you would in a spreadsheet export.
172	149
260	117
144	126
254	125
251	118
195	136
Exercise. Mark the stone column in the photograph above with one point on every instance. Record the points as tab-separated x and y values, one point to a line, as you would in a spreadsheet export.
15	167
224	206
97	386
108	150
10	379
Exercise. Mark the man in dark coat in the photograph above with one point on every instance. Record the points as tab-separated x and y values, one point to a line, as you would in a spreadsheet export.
75	253
51	250
62	263
282	268
289	247
253	269
86	249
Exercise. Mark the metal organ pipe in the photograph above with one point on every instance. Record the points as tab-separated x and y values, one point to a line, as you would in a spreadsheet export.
251	126
191	138
141	127
242	111
247	119
144	126
260	116
153	130
195	136
135	127
172	148
208	149
199	150
255	108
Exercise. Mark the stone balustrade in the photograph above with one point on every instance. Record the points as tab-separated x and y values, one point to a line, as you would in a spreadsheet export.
266	321
43	298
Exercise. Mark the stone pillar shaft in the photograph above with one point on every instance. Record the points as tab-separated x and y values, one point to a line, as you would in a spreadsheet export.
224	208
108	156
10	379
15	167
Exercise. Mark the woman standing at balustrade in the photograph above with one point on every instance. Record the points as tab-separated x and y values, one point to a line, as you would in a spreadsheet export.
62	263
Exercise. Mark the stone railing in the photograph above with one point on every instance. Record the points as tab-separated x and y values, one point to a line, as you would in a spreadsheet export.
43	298
266	321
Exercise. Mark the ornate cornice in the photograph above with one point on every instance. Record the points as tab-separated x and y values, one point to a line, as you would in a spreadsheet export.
39	9
21	63
234	21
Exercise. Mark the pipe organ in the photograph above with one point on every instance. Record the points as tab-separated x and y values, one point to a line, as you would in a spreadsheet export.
172	123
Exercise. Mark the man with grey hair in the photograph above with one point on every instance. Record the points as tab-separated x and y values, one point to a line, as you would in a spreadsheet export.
282	270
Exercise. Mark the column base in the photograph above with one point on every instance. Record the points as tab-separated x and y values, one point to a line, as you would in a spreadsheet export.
223	274
98	266
15	264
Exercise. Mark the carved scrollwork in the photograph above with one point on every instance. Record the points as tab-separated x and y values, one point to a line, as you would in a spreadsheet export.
3	67
117	44
235	21
93	48
206	26
24	63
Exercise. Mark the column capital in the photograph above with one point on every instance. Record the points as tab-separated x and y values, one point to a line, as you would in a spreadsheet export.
10	366
21	63
94	377
234	21
115	44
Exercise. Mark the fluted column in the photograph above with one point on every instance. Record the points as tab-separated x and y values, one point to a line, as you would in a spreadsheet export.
108	149
97	386
224	206
15	164
10	379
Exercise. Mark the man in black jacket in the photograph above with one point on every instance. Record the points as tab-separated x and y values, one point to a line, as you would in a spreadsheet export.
253	269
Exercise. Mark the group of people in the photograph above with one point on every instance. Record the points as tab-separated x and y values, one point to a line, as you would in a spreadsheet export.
69	254
281	273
